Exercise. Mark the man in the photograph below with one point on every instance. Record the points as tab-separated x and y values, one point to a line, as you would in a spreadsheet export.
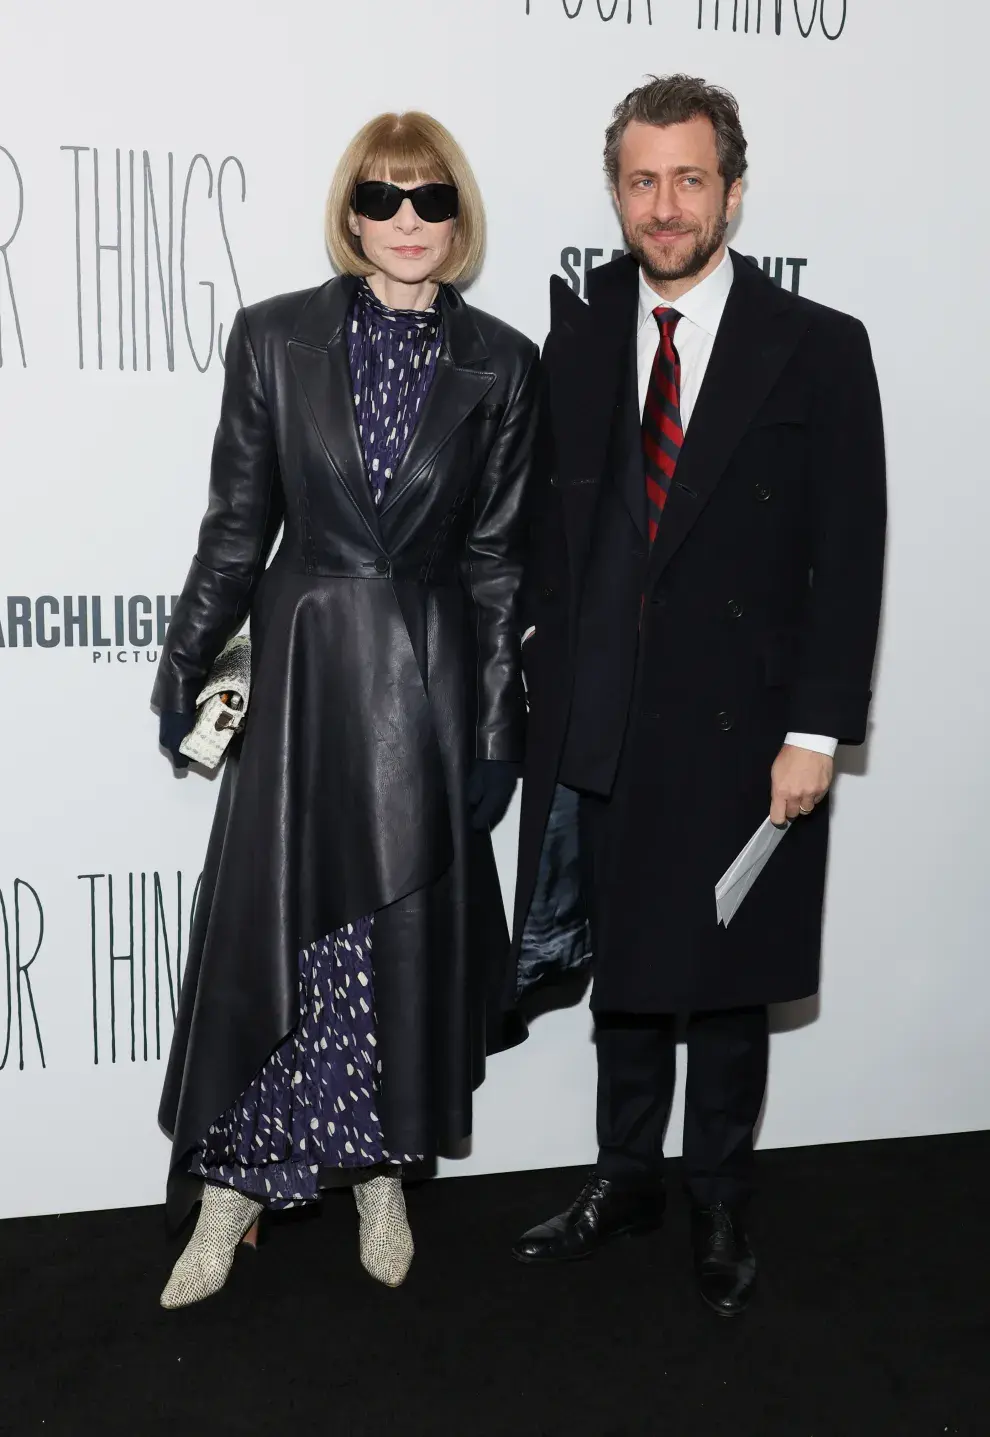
704	602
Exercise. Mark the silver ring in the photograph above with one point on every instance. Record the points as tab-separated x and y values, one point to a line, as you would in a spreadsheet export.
805	811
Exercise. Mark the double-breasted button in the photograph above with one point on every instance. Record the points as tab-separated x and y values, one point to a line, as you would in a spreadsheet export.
724	720
763	492
382	566
548	591
735	609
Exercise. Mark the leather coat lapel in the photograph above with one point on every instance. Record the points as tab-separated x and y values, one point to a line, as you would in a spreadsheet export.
458	387
318	352
757	335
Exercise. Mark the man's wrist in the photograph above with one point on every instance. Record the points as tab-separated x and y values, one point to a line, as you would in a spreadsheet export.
814	742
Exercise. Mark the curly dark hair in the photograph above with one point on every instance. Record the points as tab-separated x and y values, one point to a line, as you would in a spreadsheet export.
671	100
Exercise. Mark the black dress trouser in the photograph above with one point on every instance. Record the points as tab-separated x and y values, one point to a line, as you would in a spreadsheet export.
727	1056
726	1078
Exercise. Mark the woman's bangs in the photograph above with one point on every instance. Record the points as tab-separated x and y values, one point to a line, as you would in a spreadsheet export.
405	159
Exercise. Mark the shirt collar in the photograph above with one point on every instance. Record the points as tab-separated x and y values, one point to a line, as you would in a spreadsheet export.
702	305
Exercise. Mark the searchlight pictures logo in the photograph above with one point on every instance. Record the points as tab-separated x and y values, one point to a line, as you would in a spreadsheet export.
577	262
123	629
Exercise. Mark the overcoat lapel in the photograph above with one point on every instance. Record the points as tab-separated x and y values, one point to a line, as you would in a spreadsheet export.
588	358
756	336
318	352
627	444
613	293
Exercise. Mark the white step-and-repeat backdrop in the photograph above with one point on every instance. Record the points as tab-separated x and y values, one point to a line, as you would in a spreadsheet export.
159	166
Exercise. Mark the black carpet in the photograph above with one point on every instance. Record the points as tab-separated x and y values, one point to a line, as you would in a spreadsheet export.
872	1319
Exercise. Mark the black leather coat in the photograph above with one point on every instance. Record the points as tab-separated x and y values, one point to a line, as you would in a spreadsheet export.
385	658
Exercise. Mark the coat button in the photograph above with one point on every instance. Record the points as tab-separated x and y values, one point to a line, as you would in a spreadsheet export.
763	492
548	591
735	609
724	721
382	566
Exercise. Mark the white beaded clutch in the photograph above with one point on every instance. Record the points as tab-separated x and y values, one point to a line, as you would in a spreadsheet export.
221	707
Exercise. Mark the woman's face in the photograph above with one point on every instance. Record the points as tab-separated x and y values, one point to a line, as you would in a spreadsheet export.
405	248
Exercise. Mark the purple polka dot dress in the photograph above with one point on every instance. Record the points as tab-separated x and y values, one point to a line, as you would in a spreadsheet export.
314	1104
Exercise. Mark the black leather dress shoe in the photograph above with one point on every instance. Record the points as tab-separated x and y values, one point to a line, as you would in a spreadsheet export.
723	1259
600	1212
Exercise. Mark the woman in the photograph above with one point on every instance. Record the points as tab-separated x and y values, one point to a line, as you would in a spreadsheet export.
350	924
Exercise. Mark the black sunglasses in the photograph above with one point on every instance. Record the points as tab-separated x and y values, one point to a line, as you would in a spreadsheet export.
378	200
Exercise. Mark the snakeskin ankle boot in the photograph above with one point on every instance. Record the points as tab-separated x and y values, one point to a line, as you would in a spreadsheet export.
225	1215
386	1242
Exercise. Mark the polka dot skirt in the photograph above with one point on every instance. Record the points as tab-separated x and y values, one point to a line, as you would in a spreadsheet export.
314	1103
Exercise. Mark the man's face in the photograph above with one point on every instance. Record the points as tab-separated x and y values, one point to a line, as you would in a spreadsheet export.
672	200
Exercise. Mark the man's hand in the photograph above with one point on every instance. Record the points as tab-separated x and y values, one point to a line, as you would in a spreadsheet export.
799	779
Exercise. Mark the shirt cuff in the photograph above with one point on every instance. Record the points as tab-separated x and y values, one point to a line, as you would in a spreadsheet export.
816	742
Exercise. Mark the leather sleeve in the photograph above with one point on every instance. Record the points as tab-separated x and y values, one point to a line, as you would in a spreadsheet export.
493	566
242	519
831	692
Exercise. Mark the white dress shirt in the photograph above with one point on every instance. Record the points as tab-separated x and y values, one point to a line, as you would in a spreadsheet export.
701	313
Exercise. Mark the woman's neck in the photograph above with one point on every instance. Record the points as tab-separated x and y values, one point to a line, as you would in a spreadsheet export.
397	295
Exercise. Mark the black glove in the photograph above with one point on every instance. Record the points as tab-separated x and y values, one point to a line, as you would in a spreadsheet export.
171	731
491	785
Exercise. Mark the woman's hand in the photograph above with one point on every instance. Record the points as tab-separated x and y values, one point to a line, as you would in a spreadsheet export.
171	731
489	791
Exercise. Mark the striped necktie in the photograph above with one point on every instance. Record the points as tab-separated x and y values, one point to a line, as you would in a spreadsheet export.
662	432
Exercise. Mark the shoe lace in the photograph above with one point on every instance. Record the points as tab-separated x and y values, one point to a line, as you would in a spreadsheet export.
593	1187
723	1227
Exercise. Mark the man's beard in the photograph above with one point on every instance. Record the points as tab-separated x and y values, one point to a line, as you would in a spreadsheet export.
708	241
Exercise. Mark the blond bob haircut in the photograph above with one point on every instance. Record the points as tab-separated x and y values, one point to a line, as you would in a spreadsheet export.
406	149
